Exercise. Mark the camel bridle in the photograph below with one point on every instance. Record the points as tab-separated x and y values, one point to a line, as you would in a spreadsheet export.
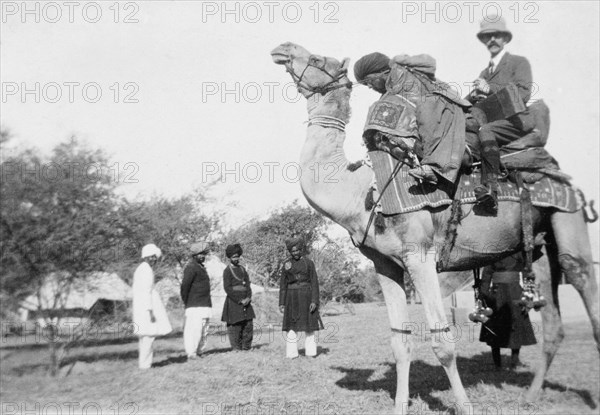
323	89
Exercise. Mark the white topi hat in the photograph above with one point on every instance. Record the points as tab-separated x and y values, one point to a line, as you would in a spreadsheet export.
151	250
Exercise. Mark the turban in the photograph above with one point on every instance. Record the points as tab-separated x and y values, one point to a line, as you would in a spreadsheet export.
199	248
369	64
232	250
292	242
151	250
422	63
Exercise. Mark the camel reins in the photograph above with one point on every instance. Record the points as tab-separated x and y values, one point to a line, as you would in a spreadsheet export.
330	86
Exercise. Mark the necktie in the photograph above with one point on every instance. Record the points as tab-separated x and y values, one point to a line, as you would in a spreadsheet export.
491	67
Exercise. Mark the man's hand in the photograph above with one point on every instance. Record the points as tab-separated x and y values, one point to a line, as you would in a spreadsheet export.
152	317
482	86
312	308
245	301
281	309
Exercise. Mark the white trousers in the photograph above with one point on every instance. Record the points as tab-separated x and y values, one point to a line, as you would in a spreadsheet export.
195	330
291	344
145	351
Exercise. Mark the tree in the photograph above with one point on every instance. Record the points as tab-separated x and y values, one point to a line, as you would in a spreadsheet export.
338	273
172	224
263	241
59	218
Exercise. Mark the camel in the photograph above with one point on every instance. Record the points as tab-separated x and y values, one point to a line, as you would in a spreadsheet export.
406	244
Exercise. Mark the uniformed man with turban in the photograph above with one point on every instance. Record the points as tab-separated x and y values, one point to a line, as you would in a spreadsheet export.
237	310
299	300
195	293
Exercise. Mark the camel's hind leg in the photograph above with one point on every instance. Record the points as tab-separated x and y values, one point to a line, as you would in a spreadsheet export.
426	282
548	273
576	262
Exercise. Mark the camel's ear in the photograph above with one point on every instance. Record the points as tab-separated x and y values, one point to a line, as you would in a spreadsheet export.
345	64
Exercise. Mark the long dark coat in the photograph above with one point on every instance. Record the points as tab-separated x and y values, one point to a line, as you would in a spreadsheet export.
299	287
510	324
236	284
195	287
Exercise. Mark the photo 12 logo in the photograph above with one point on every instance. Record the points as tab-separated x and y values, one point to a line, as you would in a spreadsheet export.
269	11
71	408
69	91
470	11
69	12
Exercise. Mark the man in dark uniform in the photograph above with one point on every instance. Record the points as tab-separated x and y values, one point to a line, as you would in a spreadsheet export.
509	326
237	310
299	300
503	70
195	293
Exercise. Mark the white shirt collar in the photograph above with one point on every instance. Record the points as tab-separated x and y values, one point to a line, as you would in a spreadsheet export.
496	59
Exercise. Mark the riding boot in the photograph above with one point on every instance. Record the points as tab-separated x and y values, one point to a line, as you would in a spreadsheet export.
487	194
496	357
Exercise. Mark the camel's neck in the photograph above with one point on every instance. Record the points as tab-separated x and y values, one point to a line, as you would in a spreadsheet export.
328	184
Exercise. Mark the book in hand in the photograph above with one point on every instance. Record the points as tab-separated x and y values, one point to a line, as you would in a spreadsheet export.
503	104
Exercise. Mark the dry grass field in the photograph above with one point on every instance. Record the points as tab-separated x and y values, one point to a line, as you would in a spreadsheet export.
353	374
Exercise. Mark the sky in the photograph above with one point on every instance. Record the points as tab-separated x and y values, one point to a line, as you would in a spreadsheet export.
179	92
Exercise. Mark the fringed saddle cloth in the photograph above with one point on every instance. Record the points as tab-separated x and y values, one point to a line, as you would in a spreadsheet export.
404	194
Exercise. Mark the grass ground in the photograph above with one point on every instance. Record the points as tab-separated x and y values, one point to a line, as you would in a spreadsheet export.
353	374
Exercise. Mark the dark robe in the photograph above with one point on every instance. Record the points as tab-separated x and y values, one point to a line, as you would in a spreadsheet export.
236	284
299	287
501	291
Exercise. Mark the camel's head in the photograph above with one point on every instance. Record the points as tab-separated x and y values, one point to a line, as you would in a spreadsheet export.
312	73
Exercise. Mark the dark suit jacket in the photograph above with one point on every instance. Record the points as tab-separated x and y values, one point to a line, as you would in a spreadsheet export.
511	69
516	70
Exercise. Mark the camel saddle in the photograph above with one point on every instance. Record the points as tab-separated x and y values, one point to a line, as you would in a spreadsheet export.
391	127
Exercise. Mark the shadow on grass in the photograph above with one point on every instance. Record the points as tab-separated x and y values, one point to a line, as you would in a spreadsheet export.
182	358
107	339
425	378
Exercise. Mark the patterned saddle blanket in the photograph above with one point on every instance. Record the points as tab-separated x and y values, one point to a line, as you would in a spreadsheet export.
404	194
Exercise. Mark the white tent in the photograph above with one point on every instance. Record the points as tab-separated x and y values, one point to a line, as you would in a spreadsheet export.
58	293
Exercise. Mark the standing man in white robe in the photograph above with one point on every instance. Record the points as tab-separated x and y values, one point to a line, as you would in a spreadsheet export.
149	314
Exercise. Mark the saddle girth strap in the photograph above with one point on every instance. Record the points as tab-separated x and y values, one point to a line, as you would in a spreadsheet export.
527	229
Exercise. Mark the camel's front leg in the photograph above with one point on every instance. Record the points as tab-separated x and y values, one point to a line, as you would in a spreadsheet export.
424	276
395	300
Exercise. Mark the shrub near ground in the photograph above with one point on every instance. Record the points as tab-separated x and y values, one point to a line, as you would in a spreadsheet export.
354	374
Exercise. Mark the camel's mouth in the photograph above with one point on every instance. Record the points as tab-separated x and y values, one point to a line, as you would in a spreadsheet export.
280	55
280	58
